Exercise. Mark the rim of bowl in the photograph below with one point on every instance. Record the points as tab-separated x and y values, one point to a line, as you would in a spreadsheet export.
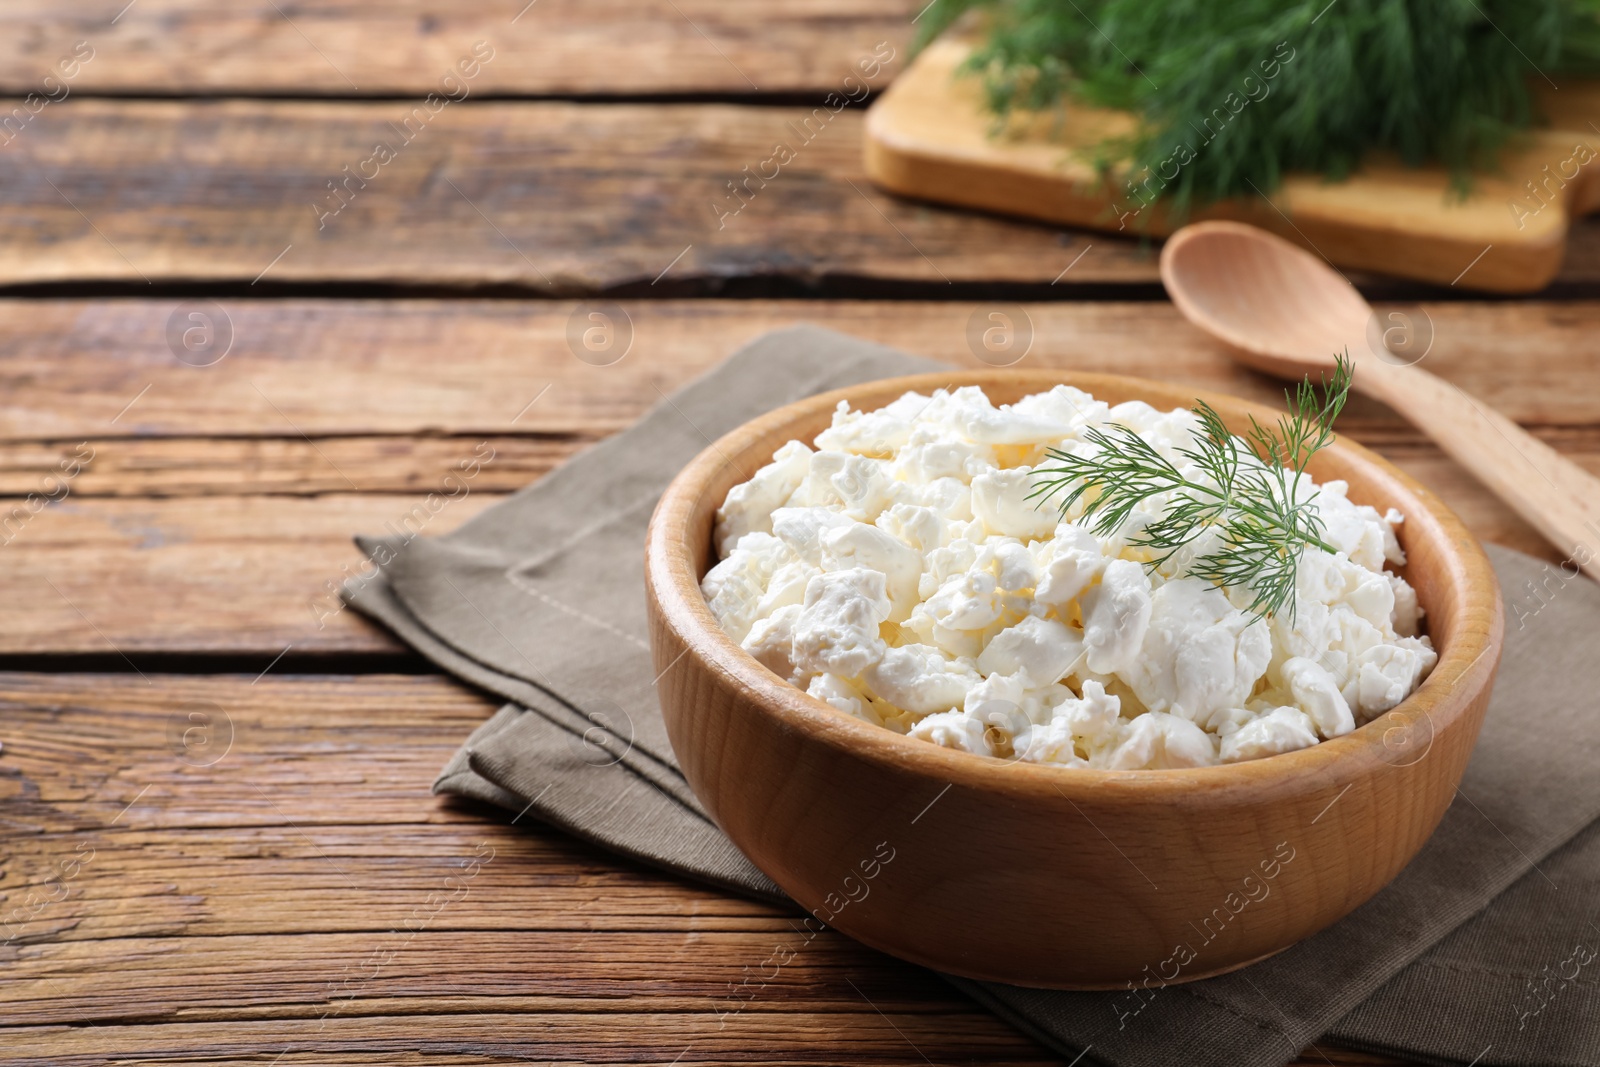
1463	669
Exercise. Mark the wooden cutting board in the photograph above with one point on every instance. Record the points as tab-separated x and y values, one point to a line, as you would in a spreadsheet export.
929	136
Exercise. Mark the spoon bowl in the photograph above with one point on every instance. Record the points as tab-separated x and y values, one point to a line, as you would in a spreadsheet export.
1284	310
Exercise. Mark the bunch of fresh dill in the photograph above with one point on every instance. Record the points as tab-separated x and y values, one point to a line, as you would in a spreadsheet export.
1235	93
1250	492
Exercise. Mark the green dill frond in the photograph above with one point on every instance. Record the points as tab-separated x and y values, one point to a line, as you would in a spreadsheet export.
1233	94
1251	490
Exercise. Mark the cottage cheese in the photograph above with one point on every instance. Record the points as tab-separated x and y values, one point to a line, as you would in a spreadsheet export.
898	572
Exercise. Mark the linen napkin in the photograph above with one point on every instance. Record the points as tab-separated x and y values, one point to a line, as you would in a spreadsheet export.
1482	951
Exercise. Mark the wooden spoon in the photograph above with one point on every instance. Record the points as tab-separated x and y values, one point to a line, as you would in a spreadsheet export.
1287	312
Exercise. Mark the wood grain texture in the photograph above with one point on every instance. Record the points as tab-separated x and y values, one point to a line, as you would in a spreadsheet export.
829	805
559	197
295	892
136	468
498	194
123	577
553	47
155	467
205	523
554	196
73	369
307	873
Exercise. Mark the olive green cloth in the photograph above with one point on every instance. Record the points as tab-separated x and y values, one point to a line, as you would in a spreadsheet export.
1482	951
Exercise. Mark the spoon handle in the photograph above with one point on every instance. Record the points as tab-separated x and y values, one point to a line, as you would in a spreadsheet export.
1555	495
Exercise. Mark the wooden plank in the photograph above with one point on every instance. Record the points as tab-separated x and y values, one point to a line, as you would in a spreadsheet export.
289	867
560	197
140	467
73	370
380	47
301	890
510	1038
175	541
663	1039
555	196
288	975
241	574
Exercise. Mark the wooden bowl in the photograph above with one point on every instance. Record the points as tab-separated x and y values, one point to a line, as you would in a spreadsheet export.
1052	876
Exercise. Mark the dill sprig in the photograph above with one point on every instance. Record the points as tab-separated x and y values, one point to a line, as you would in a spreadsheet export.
1233	94
1250	490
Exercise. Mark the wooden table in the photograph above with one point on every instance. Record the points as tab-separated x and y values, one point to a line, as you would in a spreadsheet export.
216	834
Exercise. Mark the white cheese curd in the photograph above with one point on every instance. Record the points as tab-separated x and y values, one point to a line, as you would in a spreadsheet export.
837	630
899	572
